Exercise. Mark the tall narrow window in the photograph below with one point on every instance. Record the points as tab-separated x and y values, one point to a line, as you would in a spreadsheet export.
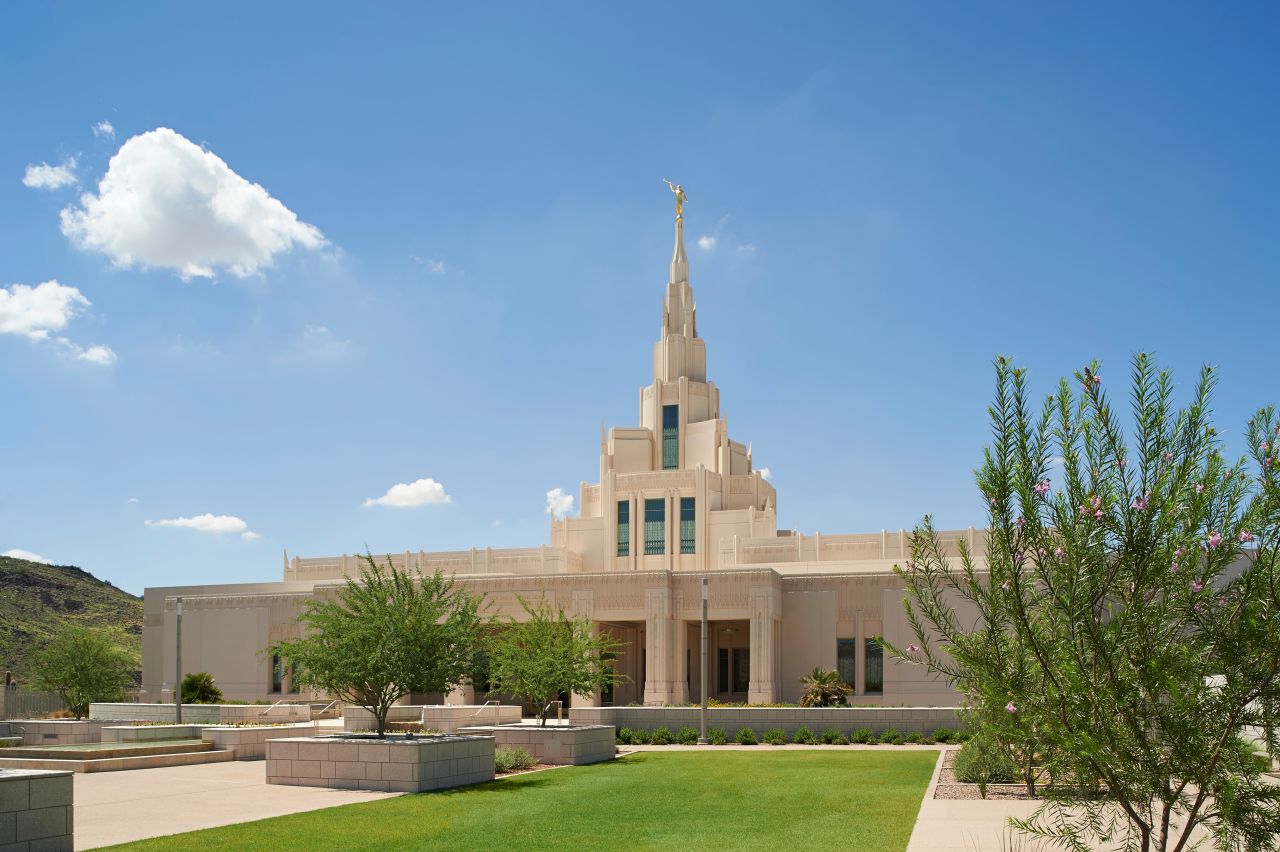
722	670
294	671
624	527
277	673
670	437
687	536
741	669
847	660
655	527
874	667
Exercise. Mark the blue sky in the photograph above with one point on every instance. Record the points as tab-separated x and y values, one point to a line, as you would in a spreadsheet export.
460	274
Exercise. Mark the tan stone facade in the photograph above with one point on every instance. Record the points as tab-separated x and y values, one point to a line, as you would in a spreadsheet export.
677	501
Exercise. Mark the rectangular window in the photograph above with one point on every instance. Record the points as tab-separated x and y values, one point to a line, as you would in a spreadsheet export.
670	437
874	670
277	673
294	669
722	670
847	660
687	536
741	669
624	527
655	527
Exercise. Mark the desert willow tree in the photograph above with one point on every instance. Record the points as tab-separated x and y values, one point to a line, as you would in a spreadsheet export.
385	635
1127	629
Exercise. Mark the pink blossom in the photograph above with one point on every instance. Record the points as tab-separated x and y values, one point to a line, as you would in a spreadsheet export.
1097	380
1141	503
1098	514
1222	601
1199	487
1041	487
1058	552
1199	607
1215	539
1021	522
1004	586
1197	586
1173	569
1177	554
913	650
1266	448
1097	502
1011	707
1246	536
1120	463
993	501
1168	457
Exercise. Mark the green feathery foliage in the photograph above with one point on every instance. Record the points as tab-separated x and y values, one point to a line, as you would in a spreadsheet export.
83	665
1125	636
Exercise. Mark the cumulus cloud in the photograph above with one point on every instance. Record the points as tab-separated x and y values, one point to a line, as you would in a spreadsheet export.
27	555
104	129
250	535
766	474
166	202
37	312
559	503
417	493
45	176
706	242
207	523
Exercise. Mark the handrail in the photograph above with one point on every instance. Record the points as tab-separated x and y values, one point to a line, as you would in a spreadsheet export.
289	701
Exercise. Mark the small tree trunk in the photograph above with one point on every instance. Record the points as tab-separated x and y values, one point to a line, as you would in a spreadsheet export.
380	719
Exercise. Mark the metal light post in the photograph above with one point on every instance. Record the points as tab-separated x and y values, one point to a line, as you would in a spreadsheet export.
702	715
177	659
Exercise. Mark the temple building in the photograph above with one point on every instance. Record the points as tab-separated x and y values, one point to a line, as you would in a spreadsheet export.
677	500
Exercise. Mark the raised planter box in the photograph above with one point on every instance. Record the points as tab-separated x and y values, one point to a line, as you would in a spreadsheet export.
394	764
360	719
450	718
201	714
57	731
35	810
250	743
760	719
573	745
148	733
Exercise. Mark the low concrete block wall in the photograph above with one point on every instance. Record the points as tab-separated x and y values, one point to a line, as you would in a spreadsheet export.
36	732
451	717
35	810
555	744
148	733
761	719
201	714
397	765
360	719
251	743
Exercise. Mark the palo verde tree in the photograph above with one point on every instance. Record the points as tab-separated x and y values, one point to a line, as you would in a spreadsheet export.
1126	627
82	665
550	653
385	635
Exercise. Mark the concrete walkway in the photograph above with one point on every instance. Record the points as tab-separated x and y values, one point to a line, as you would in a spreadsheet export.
117	807
955	825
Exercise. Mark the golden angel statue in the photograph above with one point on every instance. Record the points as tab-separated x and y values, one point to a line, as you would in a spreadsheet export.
680	196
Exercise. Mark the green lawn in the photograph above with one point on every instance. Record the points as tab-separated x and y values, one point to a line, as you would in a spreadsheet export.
865	800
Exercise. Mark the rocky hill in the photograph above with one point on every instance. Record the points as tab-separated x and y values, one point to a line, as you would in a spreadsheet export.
36	600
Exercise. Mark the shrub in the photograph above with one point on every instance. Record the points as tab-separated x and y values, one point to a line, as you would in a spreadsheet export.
82	665
199	688
746	736
862	735
833	737
943	735
928	740
891	736
824	688
804	736
981	761
640	737
717	736
914	738
687	736
624	736
662	736
512	759
961	737
775	736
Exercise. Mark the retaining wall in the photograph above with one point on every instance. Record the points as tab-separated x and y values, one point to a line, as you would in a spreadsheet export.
36	732
557	744
403	766
761	719
148	733
35	811
202	714
450	717
251	743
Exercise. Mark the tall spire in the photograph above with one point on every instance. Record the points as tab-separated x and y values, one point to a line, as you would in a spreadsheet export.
679	261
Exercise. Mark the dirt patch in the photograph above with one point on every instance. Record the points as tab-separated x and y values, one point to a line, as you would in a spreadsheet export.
949	787
537	767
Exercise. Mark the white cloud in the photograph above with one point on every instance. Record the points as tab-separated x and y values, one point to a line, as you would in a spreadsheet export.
166	202
706	242
27	555
133	499
318	342
105	129
559	503
766	474
35	312
45	176
205	523
435	267
417	493
250	535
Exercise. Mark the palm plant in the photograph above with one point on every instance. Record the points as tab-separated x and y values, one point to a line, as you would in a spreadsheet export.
824	688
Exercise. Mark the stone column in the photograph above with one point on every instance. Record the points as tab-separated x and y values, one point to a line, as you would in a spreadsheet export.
766	608
679	655
859	657
659	638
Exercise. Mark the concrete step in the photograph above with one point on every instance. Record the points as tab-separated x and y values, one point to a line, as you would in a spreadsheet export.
116	764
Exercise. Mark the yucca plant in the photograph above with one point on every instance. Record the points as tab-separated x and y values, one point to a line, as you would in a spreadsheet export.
824	688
